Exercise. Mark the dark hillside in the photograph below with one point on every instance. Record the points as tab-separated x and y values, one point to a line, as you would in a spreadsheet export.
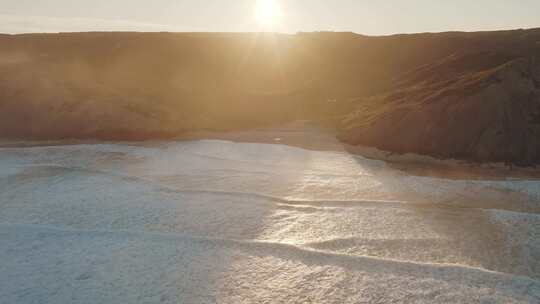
147	85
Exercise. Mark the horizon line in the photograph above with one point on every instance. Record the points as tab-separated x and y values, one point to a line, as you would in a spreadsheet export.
274	32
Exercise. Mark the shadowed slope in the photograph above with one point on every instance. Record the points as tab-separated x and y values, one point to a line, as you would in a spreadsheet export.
480	112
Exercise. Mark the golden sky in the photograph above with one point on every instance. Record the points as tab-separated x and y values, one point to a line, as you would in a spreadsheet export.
361	16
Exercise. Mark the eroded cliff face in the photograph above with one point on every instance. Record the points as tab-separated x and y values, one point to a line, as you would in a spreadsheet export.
465	95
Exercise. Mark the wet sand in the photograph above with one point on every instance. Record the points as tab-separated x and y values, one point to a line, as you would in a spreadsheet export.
307	135
311	136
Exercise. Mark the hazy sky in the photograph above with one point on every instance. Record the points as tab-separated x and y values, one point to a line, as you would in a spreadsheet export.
362	16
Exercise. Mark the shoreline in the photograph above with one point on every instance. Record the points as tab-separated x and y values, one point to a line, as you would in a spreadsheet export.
309	136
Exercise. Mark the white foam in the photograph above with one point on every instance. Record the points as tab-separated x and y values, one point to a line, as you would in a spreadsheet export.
215	221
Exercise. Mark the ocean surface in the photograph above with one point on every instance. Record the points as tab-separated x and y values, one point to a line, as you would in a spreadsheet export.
211	221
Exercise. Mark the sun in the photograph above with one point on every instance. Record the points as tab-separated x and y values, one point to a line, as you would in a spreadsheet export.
267	13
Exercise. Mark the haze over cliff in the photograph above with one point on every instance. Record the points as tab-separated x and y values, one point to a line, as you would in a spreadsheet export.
474	96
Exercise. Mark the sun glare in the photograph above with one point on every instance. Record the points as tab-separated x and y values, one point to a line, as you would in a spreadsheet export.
267	13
